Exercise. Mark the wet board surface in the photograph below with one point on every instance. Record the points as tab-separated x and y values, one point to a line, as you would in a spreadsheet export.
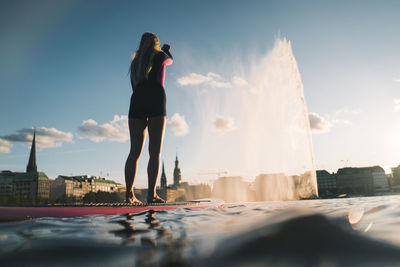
17	213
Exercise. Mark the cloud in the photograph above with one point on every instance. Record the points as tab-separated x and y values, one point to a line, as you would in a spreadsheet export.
396	102
115	130
219	84
341	121
178	125
223	124
396	79
341	115
194	79
238	81
45	137
318	124
354	111
211	79
5	146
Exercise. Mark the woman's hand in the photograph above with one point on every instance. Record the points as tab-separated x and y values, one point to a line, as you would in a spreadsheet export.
165	47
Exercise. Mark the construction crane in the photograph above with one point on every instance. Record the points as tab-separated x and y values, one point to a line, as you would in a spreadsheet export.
217	172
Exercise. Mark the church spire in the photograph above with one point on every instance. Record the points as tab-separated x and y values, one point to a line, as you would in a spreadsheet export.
177	172
176	161
163	177
32	157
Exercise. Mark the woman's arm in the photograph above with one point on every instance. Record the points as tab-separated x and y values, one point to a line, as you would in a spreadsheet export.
167	60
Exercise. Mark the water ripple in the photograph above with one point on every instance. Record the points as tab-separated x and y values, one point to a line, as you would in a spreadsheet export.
337	232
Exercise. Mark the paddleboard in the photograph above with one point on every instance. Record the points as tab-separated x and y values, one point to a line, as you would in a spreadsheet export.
17	213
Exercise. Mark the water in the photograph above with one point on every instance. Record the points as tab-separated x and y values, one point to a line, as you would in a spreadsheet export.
257	125
334	232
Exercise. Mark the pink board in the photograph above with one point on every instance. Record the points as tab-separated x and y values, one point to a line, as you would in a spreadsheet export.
16	213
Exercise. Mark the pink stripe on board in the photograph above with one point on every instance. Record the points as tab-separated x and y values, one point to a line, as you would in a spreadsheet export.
23	213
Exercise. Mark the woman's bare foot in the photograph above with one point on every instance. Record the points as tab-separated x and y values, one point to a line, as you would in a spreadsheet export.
155	199
133	200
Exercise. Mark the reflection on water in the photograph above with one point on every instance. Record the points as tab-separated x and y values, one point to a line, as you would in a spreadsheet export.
333	232
129	232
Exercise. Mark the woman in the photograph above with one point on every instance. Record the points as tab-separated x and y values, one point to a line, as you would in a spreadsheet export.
147	110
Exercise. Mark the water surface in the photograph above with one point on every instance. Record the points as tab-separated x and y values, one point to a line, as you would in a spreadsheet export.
332	232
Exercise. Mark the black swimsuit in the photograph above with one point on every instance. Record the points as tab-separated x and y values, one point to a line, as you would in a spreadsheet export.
148	97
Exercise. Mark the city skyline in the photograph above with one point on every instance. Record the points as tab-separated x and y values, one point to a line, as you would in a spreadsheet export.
64	71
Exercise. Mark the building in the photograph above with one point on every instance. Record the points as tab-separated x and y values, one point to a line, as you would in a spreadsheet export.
64	186
30	185
27	185
380	180
178	191
6	184
177	173
163	178
32	167
364	181
396	175
163	188
78	186
326	183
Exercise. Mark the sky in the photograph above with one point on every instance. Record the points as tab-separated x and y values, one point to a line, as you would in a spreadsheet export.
64	70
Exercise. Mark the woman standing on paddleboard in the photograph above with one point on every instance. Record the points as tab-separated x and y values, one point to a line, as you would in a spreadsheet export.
147	111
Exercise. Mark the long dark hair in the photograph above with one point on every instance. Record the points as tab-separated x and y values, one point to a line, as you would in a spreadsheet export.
142	59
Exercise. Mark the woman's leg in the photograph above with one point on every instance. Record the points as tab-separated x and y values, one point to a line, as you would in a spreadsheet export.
156	126
137	131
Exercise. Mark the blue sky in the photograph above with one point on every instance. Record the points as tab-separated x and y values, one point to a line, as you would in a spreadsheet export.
65	62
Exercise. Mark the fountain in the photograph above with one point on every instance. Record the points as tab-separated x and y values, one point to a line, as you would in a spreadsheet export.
265	131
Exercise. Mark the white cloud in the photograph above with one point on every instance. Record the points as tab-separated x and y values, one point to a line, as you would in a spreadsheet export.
318	124
396	79
45	137
178	125
193	79
396	102
213	75
5	146
238	81
354	111
219	84
115	130
211	79
341	116
223	124
341	121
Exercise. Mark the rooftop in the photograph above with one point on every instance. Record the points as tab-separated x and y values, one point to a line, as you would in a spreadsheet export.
350	170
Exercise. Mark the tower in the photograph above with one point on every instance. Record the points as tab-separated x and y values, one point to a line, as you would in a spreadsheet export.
163	178
177	172
32	157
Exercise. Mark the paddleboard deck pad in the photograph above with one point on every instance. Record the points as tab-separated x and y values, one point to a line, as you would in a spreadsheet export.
17	213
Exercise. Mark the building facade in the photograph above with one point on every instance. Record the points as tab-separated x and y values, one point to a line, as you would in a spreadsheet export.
364	181
78	186
6	184
177	173
326	183
163	187
380	180
30	185
396	175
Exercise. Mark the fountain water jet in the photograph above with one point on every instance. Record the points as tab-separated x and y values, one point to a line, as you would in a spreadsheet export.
269	133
